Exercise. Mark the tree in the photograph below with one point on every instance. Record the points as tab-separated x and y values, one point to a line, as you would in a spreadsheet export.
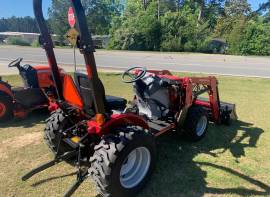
99	14
137	29
231	29
265	6
19	24
213	11
58	18
201	10
256	38
180	31
237	7
267	17
168	25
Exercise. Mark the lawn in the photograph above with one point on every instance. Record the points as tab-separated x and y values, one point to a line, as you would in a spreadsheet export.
229	161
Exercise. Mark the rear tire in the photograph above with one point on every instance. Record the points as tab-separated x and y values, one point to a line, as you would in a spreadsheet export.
196	123
6	108
57	122
123	163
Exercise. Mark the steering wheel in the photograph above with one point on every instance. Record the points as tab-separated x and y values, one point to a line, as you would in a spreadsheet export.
15	63
134	74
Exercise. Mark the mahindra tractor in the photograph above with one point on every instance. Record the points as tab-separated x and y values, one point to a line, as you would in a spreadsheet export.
37	92
112	142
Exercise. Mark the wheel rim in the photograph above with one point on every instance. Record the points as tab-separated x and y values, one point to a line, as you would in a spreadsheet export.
201	126
135	167
3	109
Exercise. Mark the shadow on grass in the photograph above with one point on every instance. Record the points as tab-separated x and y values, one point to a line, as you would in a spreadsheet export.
240	191
33	118
179	175
52	178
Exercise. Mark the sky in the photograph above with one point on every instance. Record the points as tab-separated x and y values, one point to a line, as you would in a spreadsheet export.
10	8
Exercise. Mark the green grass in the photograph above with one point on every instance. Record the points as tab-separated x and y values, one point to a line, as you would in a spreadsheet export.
229	161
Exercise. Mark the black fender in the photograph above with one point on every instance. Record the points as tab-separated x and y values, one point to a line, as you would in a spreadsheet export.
5	89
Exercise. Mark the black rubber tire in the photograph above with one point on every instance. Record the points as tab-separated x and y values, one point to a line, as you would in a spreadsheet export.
109	156
195	113
55	123
6	101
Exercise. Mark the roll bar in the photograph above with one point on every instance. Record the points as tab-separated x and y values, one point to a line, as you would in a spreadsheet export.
86	47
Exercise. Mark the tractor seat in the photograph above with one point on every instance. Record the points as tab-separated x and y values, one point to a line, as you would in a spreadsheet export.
29	76
111	102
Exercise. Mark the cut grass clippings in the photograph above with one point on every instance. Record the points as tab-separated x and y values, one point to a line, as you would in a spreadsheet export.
229	161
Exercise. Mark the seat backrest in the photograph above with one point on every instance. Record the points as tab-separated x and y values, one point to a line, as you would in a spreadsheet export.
83	84
29	76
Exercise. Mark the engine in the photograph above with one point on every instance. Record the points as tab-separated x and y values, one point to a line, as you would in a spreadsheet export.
155	96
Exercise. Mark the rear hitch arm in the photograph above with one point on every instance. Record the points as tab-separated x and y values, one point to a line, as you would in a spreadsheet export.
81	176
49	164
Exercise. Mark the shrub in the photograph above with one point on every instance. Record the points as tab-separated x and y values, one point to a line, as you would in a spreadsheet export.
136	32
181	31
256	39
17	41
171	44
35	43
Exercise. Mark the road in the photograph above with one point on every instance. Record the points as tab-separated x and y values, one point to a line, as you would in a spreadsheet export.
181	62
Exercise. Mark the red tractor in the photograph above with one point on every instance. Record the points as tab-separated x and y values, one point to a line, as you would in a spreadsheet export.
108	141
36	93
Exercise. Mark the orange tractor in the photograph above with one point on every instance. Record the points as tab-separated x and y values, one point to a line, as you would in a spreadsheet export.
36	93
110	142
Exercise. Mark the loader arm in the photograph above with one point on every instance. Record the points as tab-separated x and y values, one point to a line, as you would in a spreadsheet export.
210	86
86	47
47	43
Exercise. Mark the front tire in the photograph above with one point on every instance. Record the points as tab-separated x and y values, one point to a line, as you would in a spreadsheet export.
56	123
196	123
123	163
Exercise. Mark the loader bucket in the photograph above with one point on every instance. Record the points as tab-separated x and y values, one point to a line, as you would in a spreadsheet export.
226	109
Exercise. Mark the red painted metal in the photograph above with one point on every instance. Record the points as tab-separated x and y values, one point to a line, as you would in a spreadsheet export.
6	90
188	92
93	127
89	72
115	121
70	92
203	103
160	72
53	106
3	109
44	75
20	113
171	77
212	84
